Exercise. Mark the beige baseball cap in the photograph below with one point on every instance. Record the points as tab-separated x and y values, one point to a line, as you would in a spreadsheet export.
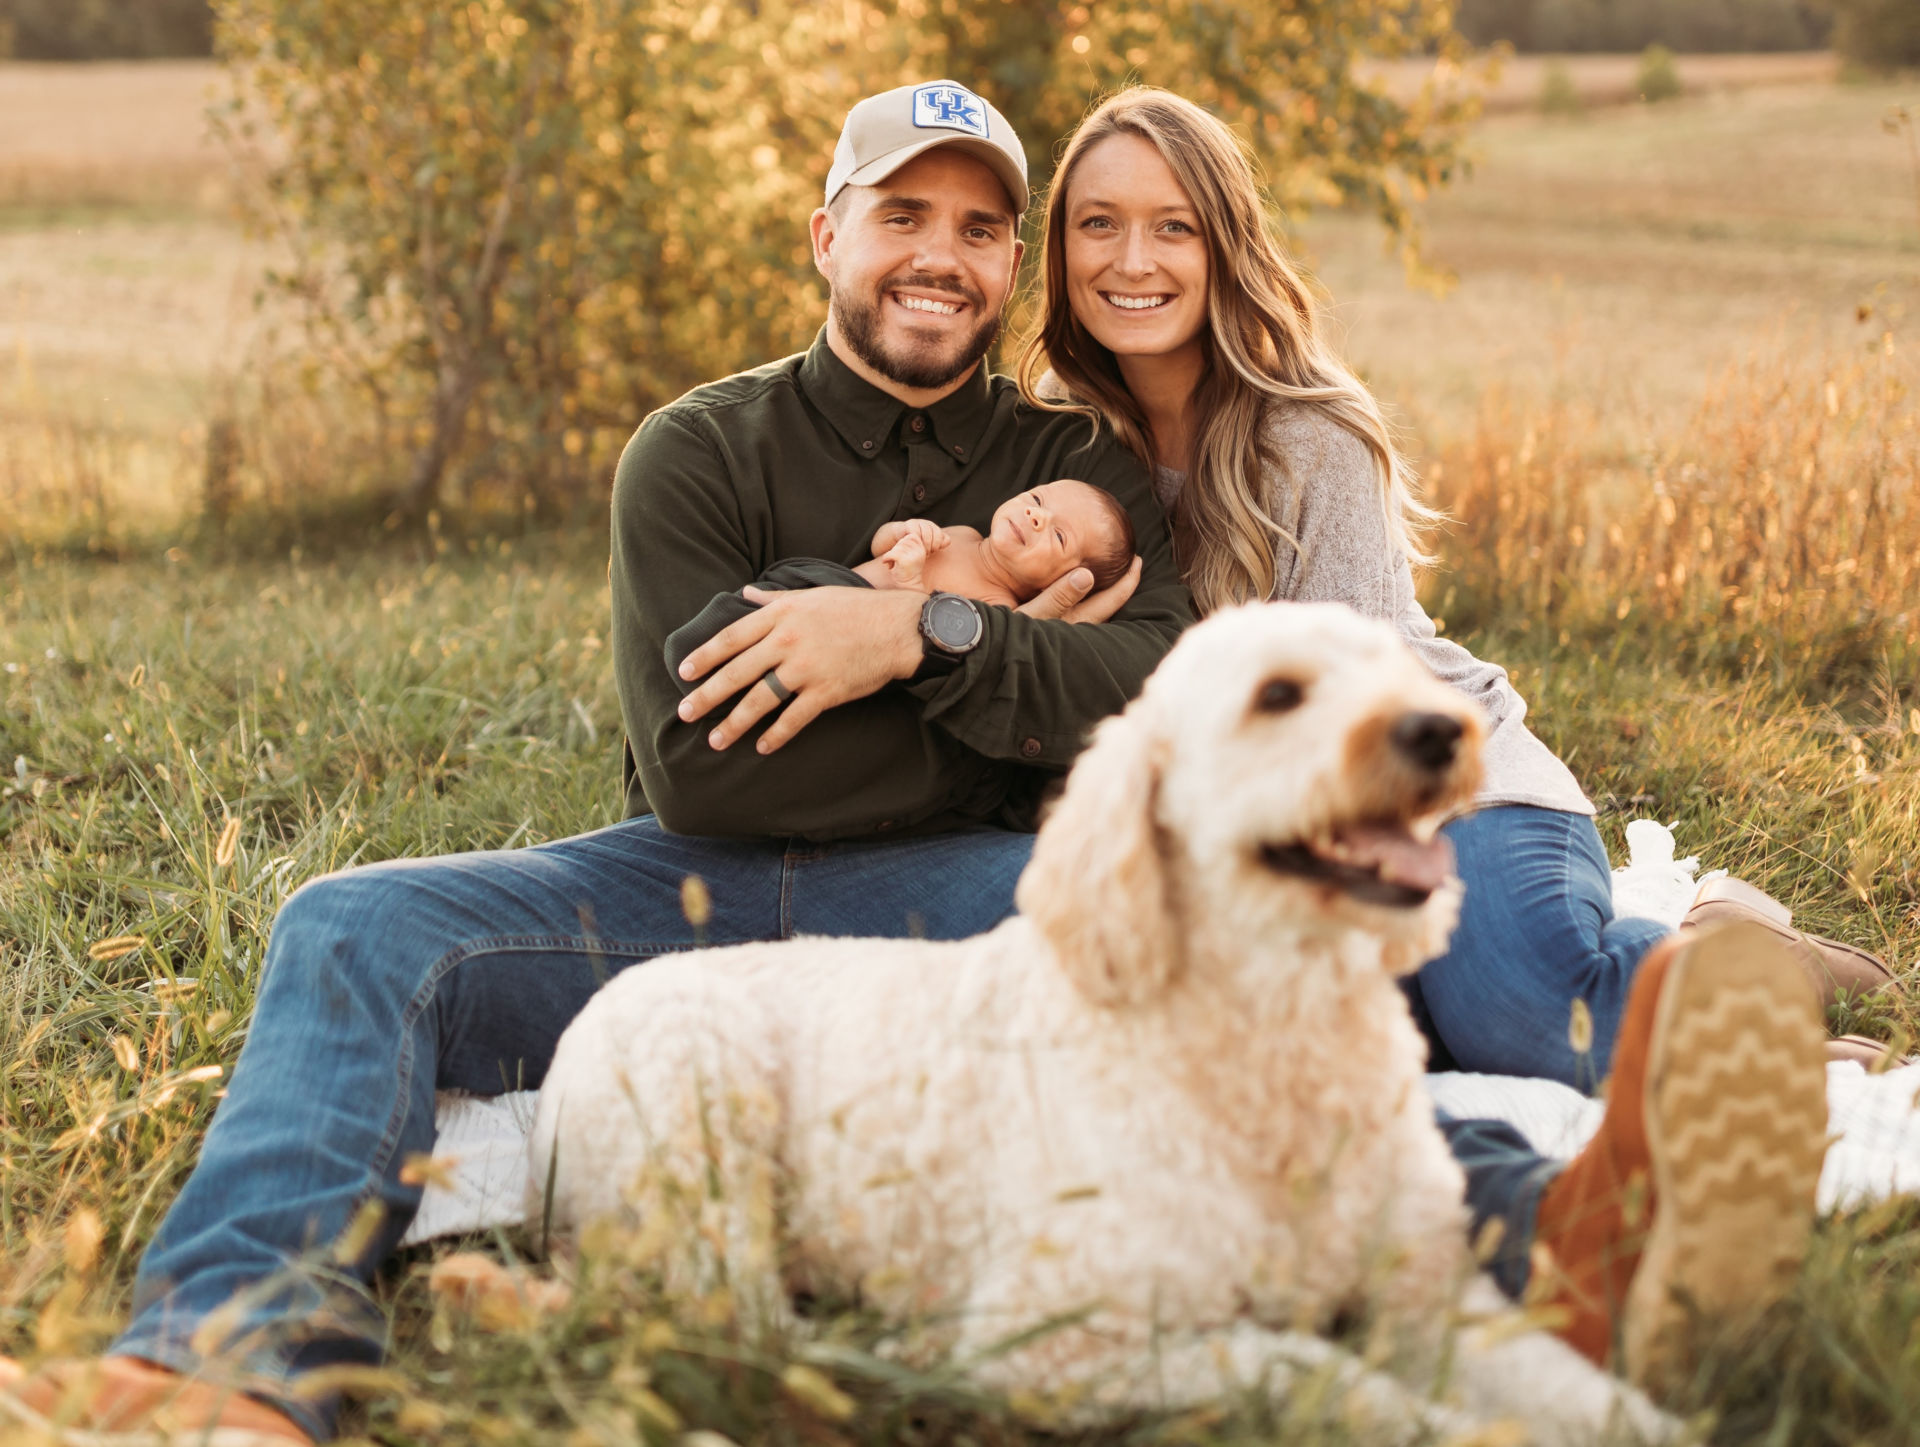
886	131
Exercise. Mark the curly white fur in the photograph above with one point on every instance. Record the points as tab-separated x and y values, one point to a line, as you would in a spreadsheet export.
1179	1094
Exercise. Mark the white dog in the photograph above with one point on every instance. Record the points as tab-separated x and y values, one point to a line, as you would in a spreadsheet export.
1178	1095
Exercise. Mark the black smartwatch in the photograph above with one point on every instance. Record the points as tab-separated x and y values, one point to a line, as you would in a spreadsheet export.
951	627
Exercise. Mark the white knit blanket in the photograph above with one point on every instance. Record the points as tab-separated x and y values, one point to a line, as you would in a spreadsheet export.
1874	1119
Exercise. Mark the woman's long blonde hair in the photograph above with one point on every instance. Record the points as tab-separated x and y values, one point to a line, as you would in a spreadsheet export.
1262	346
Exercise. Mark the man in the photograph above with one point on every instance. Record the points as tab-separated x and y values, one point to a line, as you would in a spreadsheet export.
853	762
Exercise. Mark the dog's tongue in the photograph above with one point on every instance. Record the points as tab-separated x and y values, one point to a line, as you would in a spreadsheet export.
1397	856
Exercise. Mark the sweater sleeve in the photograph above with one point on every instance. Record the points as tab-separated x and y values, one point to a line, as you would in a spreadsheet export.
1326	492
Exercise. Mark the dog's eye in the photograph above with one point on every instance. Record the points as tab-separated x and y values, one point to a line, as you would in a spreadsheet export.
1277	695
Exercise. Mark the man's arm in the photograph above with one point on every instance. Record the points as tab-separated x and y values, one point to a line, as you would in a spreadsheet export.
1028	692
1034	686
679	538
724	609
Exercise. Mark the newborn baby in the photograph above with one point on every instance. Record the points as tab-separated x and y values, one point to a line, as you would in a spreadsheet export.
1036	539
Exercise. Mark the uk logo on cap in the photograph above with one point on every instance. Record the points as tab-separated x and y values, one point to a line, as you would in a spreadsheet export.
949	108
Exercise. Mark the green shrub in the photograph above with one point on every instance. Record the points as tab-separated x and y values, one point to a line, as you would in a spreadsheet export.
1559	96
529	222
1658	78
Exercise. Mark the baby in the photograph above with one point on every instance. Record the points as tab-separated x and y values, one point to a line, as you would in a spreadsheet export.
1036	539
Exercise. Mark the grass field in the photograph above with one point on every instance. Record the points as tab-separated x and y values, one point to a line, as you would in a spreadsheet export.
1684	471
1621	263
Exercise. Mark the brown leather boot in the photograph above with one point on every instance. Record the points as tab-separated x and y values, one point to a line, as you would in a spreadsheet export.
1696	1196
1869	1054
126	1402
1832	968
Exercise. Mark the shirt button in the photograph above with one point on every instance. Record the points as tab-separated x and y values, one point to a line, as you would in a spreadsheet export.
1030	749
959	451
919	492
919	424
866	447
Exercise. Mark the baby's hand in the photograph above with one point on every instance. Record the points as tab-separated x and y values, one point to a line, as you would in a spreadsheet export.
906	560
930	535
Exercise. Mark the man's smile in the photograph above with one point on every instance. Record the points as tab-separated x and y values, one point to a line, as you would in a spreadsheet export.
929	305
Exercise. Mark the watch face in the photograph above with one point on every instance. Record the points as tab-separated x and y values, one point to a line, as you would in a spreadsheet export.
954	623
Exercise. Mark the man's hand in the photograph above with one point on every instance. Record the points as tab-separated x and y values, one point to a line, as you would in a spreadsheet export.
827	646
1067	598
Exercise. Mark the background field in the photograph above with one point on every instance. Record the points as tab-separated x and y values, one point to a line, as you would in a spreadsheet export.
1618	263
1670	400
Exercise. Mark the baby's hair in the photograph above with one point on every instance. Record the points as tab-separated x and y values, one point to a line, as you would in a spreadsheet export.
1109	564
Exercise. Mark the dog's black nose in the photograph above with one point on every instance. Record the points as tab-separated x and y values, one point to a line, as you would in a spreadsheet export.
1429	739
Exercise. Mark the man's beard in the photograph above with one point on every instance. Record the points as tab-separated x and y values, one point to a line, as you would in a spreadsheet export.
920	368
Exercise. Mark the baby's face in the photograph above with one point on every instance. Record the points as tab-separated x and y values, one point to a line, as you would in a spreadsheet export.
1047	532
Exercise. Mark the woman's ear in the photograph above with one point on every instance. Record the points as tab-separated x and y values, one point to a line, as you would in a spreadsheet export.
1097	886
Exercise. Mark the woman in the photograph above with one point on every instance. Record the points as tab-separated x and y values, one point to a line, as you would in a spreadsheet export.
1173	316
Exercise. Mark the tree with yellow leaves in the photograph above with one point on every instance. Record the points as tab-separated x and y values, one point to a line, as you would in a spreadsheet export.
526	223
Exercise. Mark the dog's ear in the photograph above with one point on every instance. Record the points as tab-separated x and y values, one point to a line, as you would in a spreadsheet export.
1097	887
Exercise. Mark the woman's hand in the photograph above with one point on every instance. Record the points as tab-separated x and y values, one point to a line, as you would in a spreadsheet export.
1068	600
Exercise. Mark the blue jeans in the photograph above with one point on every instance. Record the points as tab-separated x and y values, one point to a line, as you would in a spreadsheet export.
1537	932
387	982
1505	1180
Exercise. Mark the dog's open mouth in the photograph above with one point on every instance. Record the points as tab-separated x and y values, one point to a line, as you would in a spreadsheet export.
1376	863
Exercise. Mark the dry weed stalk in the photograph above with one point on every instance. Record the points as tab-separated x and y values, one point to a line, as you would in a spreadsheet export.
1784	516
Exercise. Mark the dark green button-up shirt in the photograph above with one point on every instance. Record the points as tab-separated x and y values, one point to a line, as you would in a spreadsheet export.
803	458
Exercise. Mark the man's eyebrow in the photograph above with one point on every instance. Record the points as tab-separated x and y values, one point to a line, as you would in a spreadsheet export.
986	218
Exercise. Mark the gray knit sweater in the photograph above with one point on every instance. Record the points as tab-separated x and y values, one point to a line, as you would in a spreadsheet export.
1328	497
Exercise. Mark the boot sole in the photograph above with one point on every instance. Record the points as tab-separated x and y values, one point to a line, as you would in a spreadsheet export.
1736	1120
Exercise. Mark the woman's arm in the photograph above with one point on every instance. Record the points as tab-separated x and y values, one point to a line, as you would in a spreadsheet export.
1329	497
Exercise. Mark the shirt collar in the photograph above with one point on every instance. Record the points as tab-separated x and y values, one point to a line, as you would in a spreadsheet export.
868	418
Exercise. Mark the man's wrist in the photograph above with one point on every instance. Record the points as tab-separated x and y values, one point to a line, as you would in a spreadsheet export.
912	647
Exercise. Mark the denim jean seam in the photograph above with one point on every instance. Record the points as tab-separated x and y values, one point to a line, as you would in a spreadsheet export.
1565	893
1591	1066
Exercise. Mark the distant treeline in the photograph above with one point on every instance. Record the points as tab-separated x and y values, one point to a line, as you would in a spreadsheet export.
104	29
1626	25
